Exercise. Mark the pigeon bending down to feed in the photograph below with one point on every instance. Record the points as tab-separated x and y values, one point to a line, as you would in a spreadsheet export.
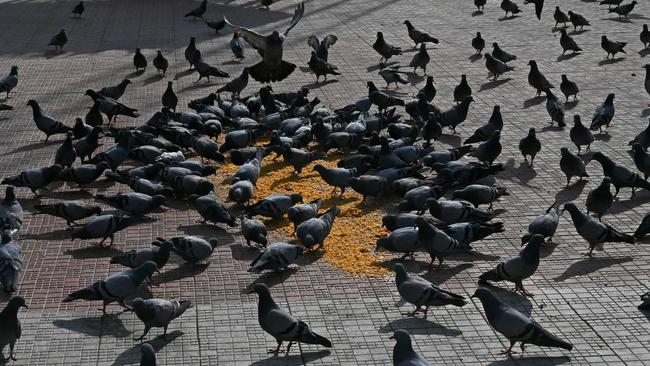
10	328
400	240
35	179
102	226
276	257
158	313
191	248
478	194
253	230
594	231
313	232
70	211
135	258
437	243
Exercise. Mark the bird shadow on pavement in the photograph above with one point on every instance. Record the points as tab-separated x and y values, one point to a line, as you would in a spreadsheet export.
618	20
568	56
620	206
132	355
379	66
320	84
204	230
553	128
577	32
244	252
571	192
602	136
93	252
522	174
446	273
183	73
451	140
534	101
537	360
493	84
588	265
512	17
152	79
414	78
135	73
185	270
644	52
198	85
476	13
271	278
475	57
232	62
558	29
570	105
60	234
52	53
294	360
420	326
70	195
503	292
96	326
34	146
610	61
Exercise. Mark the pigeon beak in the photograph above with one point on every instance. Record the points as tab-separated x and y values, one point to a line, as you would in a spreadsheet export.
391	337
25	306
473	296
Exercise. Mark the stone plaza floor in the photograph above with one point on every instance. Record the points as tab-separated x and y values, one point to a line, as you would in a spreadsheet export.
588	301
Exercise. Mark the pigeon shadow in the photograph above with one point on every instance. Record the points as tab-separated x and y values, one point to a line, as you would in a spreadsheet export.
505	18
513	299
590	265
525	361
203	230
198	85
183	73
98	326
34	146
558	29
93	252
379	66
524	173
618	20
553	128
185	270
493	84
70	195
534	101
571	192
135	73
620	206
294	360
132	355
604	137
440	277
610	61
547	249
476	13
152	79
52	53
475	57
420	326
451	140
473	256
577	32
244	252
570	105
414	78
567	56
320	84
60	234
644	52
271	278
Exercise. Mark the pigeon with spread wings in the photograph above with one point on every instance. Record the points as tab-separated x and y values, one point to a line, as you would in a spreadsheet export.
272	67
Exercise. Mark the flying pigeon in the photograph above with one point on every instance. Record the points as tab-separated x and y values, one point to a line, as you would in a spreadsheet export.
322	47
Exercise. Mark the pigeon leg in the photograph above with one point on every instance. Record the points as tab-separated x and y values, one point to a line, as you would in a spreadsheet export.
590	252
288	348
11	352
165	332
519	287
509	350
103	309
146	330
277	350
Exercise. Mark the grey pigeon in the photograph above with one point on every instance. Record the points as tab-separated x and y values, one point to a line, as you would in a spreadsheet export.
217	25
554	108
401	240
211	209
385	49
300	213
84	174
59	40
10	328
135	258
46	123
236	85
198	11
415	198
462	90
612	47
148	355
600	198
429	90
276	257
369	185
620	175
116	287
539	5
190	52
604	114
313	232
452	212
191	248
403	353
580	135
560	17
496	67
272	67
437	243
160	62
11	261
11	211
641	160
486	131
572	165
577	20
321	67
421	293
418	36
322	47
139	61
237	46
142	185
594	231
299	158
35	179
207	149
456	115
623	10
336	177
420	59
478	43
115	91
500	54
10	81
253	230
169	98
190	184
241	192
281	325
380	99
569	88
536	79
274	206
642	138
644	228
488	151
158	313
70	211
111	107
509	7
66	154
478	194
514	325
102	226
645	36
391	74
568	43
397	221
517	268
94	116
133	202
469	232
544	225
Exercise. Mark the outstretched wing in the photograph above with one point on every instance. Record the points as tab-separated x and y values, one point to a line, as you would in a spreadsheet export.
256	40
330	40
297	15
313	42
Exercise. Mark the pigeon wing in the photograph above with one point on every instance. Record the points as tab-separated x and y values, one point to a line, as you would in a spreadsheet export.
256	40
297	15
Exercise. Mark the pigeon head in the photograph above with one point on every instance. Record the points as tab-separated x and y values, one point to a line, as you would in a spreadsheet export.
429	80
10	194
380	36
169	84
571	13
564	78
610	98
275	38
102	165
16	303
571	207
564	150
485	295
604	38
635	147
532	64
647	66
495	45
463	78
421	221
147	268
32	103
576	120
137	303
402	338
408	24
261	289
318	168
563	31
158	199
148	354
645	27
478	34
137	50
400	270
213	243
534	241
383	243
14	70
525	238
388	220
91	93
606	182
296	197
127	81
488	56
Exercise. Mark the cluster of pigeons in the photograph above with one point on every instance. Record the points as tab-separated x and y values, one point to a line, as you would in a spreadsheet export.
384	154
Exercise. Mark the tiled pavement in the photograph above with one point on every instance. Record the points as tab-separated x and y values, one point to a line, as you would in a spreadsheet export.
591	302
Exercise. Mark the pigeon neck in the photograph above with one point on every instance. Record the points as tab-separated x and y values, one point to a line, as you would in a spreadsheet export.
530	253
403	351
266	302
577	217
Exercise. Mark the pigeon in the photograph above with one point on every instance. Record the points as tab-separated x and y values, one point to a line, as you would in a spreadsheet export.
415	199
116	287
10	81
604	114
400	240
276	257
236	85
148	355
478	43
623	10
298	158
478	194
250	171
136	258
397	221
452	212
380	99
46	123
10	328
530	146
594	231
544	225
160	63
645	37
320	67
462	90
199	11
313	232
217	25
418	36
241	192
35	179
536	79
514	325
267	3
111	107
580	135
620	175
336	177
641	160
142	185
66	154
191	248
480	5
272	67
80	129
158	313
612	47
539	5
133	202
572	165
78	9
11	212
554	108
70	211
600	198
102	226
429	90
116	154
436	242
253	230
560	17
237	46
391	74
403	353
421	293
568	43
237	139
609	3
501	55
11	260
274	206
281	325
5	107
577	20
456	115
643	138
517	268
385	49
369	185
322	47
84	174
496	67
94	115
190	52
420	59
488	151
190	184
469	232
645	305
643	229
486	131
204	69
300	213
509	7
569	88
211	209
139	61
169	98
59	40
115	91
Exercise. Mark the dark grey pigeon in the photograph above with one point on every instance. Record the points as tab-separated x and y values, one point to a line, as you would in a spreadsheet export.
299	158
514	325
429	90
560	17
148	355
594	231
160	62
398	221
623	10
35	179
456	115
66	154
536	79
212	210
336	177
612	47
478	43
158	313
116	154
415	199
241	192
437	243
403	353
577	20
115	91
609	3
313	232
321	68
198	11
322	47
139	61
300	213
102	226
645	36
46	123
94	115
190	52
385	49
116	287
391	74
620	175
401	240
191	248
488	151
486	131
217	25
496	67
369	185
380	99
80	129
169	98
281	325
11	212
10	81
469	232
142	185
276	257
204	69
78	9
580	135
600	199
275	205
509	7
539	5
421	293
236	85
644	228
110	107
84	174
133	202
478	194
643	138
462	90
452	212
501	55
190	184
554	108
10	328
641	160
418	36
59	40
237	46
5	107
604	114
569	88
544	225
11	260
572	165
253	230
135	258
568	43
70	211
